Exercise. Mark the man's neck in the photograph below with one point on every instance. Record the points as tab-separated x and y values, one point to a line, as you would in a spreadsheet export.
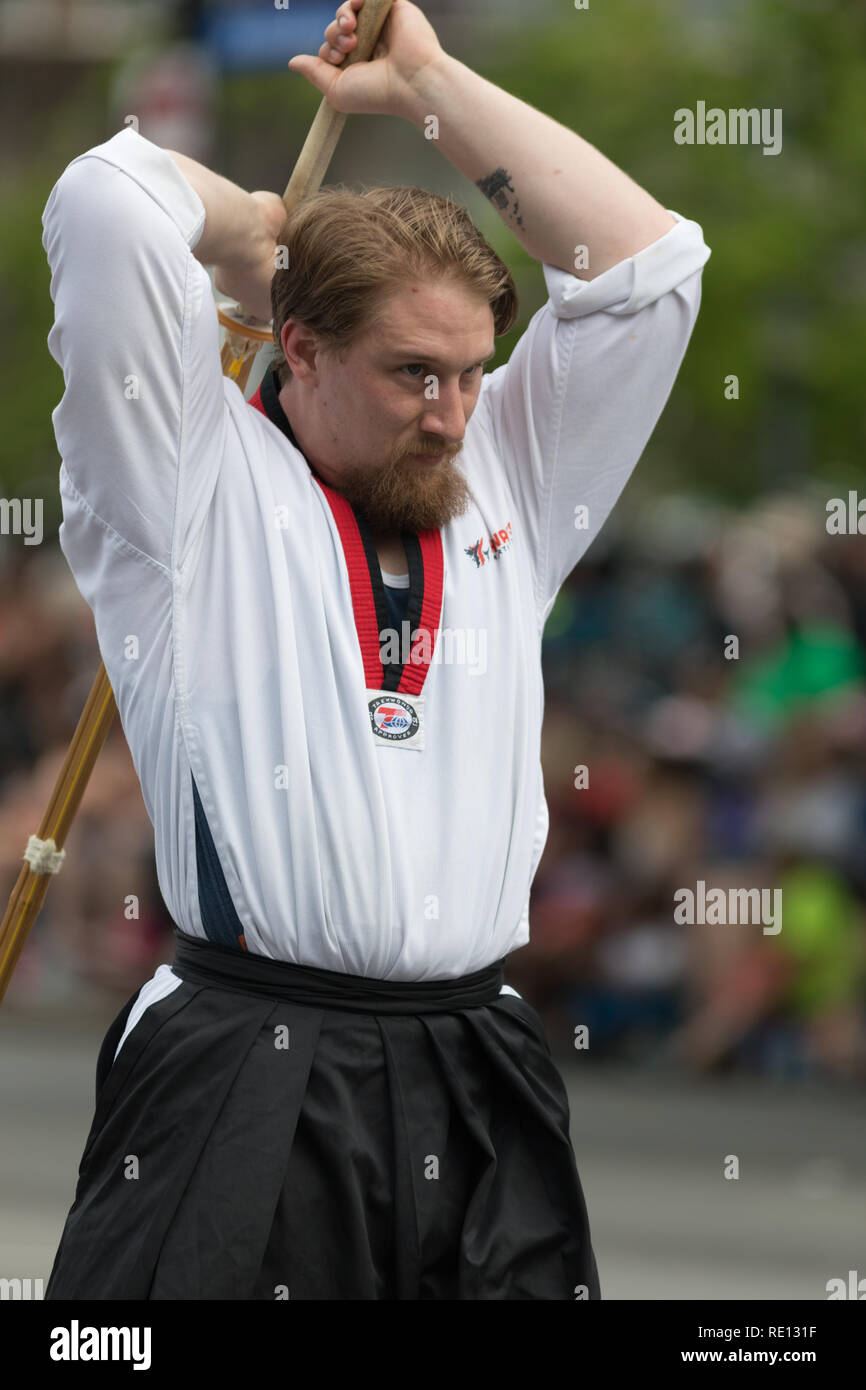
284	398
392	553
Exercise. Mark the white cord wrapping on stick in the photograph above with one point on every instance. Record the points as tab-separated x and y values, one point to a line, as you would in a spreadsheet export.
43	856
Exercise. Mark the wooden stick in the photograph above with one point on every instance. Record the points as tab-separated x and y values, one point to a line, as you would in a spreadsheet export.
31	886
244	337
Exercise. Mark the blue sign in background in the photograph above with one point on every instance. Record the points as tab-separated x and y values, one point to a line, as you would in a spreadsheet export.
242	37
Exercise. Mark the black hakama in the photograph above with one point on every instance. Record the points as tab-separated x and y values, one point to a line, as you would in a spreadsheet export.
270	1131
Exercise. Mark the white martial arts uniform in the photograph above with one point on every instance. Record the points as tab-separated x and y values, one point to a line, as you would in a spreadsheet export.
217	571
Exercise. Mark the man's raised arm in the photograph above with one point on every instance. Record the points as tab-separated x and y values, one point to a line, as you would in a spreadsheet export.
140	424
553	189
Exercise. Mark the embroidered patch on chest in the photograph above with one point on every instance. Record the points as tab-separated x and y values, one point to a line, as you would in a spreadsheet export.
397	719
496	545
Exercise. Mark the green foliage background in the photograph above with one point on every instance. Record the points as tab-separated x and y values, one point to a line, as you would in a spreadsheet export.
783	293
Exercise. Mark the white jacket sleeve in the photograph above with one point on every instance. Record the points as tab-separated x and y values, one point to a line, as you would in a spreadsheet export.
571	412
140	427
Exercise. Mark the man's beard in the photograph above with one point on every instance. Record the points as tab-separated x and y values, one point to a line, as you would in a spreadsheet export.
408	494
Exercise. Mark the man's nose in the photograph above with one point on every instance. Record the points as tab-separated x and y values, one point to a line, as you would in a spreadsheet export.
446	416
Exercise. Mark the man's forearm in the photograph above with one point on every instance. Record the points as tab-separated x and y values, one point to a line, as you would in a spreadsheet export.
232	227
240	235
553	189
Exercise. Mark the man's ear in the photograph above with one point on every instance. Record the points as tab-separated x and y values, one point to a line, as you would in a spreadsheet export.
301	347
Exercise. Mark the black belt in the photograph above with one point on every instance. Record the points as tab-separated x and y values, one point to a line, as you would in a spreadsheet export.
208	963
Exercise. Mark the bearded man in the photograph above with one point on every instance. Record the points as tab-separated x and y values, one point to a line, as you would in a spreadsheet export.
331	1093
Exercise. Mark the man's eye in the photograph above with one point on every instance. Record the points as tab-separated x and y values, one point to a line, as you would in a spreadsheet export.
416	368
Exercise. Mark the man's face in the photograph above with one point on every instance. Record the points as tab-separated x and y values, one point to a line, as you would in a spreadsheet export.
383	422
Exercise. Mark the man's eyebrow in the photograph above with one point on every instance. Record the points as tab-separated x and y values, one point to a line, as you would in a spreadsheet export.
417	355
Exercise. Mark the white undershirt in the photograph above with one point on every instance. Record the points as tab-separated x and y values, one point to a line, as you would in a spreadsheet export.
395	581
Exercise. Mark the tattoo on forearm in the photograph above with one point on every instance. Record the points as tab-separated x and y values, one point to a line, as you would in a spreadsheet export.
497	187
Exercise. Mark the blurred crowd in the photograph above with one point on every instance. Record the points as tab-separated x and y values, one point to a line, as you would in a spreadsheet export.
707	669
103	926
705	678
